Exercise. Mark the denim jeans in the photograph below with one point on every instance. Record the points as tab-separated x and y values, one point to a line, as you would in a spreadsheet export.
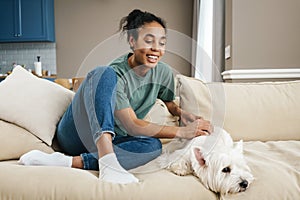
90	114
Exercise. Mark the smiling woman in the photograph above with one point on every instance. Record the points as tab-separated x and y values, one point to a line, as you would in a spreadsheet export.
105	122
146	35
149	47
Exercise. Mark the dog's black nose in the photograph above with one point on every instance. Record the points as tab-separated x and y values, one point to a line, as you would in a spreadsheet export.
244	184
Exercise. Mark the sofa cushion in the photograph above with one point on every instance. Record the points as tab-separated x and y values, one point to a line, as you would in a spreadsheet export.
275	166
160	114
44	182
250	111
33	103
15	141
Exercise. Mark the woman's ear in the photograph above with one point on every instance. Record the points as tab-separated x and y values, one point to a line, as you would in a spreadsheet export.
131	42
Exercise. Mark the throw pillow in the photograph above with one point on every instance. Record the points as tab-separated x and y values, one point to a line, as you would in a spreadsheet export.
159	114
15	141
203	99
33	103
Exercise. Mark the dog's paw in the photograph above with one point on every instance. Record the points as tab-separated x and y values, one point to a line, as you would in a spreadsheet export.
181	168
180	172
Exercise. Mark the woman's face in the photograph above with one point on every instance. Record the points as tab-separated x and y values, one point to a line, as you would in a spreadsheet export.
150	45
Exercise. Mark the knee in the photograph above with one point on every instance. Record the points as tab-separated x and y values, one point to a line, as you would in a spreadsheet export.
103	73
110	74
107	72
102	78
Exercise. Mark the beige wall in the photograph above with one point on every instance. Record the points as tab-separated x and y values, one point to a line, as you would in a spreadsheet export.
263	34
87	29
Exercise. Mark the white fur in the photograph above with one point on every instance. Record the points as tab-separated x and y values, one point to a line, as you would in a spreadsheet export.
207	158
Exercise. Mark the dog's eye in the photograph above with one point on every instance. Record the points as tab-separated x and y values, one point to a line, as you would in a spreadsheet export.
226	170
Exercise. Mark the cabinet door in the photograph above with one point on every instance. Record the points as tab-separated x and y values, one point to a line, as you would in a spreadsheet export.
27	20
36	23
9	19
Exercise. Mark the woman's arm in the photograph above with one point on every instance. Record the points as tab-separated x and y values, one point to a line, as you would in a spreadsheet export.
173	108
135	126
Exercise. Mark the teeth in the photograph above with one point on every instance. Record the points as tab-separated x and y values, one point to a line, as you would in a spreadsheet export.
152	57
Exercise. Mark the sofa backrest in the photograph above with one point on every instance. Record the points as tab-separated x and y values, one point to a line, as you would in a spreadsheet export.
249	111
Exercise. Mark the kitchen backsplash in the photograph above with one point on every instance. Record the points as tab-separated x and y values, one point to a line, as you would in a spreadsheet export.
26	54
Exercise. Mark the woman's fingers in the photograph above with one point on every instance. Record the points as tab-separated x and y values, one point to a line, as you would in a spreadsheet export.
204	125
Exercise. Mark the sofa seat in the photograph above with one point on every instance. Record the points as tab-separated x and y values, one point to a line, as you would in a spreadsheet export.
275	165
43	182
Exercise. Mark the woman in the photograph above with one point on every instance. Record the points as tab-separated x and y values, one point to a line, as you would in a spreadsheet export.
106	114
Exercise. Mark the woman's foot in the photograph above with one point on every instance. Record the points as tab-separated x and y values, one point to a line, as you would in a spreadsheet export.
111	171
36	157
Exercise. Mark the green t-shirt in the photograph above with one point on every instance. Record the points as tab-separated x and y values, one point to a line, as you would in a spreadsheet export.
140	93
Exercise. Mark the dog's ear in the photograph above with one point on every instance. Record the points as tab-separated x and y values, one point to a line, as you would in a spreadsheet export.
239	146
199	157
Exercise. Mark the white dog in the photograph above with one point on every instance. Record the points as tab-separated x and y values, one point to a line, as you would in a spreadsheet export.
214	159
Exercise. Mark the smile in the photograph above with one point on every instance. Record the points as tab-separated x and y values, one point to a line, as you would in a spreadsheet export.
152	58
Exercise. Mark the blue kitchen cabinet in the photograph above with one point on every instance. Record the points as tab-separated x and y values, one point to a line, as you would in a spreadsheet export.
27	20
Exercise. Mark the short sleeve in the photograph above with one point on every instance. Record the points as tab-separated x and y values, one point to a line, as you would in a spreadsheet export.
122	100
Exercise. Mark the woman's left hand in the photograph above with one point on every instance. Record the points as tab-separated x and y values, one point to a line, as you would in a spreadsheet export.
187	118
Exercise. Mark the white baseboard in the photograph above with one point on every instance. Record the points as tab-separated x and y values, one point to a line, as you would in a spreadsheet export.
238	74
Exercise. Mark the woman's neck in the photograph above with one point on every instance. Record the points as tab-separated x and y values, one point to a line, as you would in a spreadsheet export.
139	69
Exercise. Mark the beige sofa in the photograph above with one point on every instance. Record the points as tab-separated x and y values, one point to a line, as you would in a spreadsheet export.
265	115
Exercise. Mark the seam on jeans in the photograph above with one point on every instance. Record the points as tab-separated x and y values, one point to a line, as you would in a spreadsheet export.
93	112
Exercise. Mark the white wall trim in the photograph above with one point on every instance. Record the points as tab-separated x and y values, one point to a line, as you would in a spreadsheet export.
261	74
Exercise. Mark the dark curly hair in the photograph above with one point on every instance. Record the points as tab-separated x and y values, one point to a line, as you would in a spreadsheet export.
137	19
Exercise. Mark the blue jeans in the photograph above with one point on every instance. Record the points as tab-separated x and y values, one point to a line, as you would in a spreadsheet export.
90	114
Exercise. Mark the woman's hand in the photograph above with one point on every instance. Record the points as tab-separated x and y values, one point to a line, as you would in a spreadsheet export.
194	129
187	118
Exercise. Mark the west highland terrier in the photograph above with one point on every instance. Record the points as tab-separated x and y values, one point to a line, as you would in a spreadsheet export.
214	159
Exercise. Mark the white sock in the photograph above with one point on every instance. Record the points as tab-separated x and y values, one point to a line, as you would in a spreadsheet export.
36	157
110	170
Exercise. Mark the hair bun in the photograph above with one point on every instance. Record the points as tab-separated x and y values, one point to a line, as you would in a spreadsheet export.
137	19
135	13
